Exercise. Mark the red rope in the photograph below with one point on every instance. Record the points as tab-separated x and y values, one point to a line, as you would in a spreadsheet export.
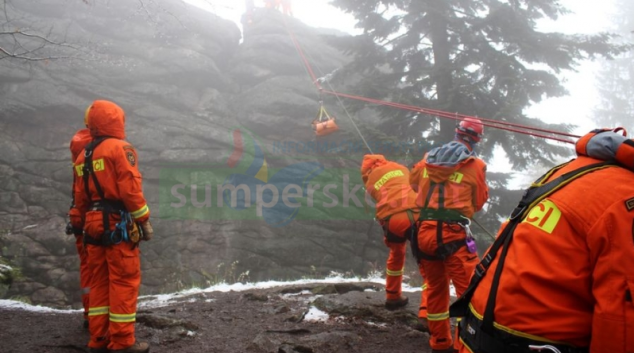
503	125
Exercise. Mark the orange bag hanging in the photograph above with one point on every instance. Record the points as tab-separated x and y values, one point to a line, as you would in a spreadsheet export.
324	126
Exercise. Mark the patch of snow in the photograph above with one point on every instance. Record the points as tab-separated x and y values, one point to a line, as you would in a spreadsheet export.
316	315
191	333
16	305
30	226
5	268
156	301
381	324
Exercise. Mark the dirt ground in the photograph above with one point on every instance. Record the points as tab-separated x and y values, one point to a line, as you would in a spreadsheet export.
277	320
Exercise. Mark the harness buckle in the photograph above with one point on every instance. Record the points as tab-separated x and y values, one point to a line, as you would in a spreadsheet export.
480	270
534	347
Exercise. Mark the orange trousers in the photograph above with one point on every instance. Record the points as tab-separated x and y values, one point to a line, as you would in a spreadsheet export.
398	225
459	268
84	273
114	287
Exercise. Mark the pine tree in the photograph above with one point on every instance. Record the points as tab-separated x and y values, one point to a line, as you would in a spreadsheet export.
483	58
476	57
616	79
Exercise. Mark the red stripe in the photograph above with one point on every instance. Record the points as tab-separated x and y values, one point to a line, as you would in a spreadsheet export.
238	148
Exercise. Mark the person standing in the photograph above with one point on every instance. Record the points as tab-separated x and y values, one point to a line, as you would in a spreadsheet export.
287	7
387	183
109	197
450	182
77	143
560	275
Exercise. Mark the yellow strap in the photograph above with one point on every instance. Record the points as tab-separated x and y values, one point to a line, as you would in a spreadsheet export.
321	113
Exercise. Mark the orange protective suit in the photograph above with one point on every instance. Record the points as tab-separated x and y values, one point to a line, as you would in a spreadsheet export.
116	271
388	184
567	279
451	185
287	7
77	143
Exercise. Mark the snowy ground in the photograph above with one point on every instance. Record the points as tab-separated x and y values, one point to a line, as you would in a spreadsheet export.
157	301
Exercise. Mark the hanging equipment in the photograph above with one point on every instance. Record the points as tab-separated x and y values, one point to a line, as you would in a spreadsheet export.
324	124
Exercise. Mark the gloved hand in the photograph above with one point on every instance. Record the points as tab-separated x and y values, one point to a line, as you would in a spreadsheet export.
148	232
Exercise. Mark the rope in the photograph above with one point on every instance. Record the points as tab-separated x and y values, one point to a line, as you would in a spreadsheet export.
484	229
502	125
308	68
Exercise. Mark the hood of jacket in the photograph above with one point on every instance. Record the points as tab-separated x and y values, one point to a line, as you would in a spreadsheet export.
105	118
78	142
443	161
370	162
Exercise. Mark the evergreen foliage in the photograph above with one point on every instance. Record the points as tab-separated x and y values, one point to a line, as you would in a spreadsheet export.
477	57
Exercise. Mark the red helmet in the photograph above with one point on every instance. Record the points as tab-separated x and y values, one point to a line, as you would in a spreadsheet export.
471	127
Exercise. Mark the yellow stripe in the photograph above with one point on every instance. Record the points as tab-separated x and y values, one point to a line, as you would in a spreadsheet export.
394	273
100	310
514	332
140	212
423	287
438	317
122	317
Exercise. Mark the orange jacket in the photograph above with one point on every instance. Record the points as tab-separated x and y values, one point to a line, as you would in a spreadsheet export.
462	174
77	144
388	184
568	275
115	165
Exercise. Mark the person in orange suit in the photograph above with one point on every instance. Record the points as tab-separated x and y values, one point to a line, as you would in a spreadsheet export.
560	275
272	4
287	7
388	184
109	196
77	143
451	186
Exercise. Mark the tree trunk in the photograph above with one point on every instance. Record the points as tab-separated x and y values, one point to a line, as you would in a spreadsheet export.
442	64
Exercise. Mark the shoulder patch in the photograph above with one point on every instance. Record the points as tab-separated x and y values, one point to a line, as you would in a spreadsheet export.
130	157
629	204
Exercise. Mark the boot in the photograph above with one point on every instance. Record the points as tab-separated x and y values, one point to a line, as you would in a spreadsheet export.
393	304
137	347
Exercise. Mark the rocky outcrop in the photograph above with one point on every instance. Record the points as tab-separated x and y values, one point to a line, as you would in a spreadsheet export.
187	82
306	318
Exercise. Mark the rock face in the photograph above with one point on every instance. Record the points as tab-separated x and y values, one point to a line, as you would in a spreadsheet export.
192	91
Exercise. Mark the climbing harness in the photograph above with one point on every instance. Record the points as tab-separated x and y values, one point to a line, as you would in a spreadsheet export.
478	332
442	216
106	206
